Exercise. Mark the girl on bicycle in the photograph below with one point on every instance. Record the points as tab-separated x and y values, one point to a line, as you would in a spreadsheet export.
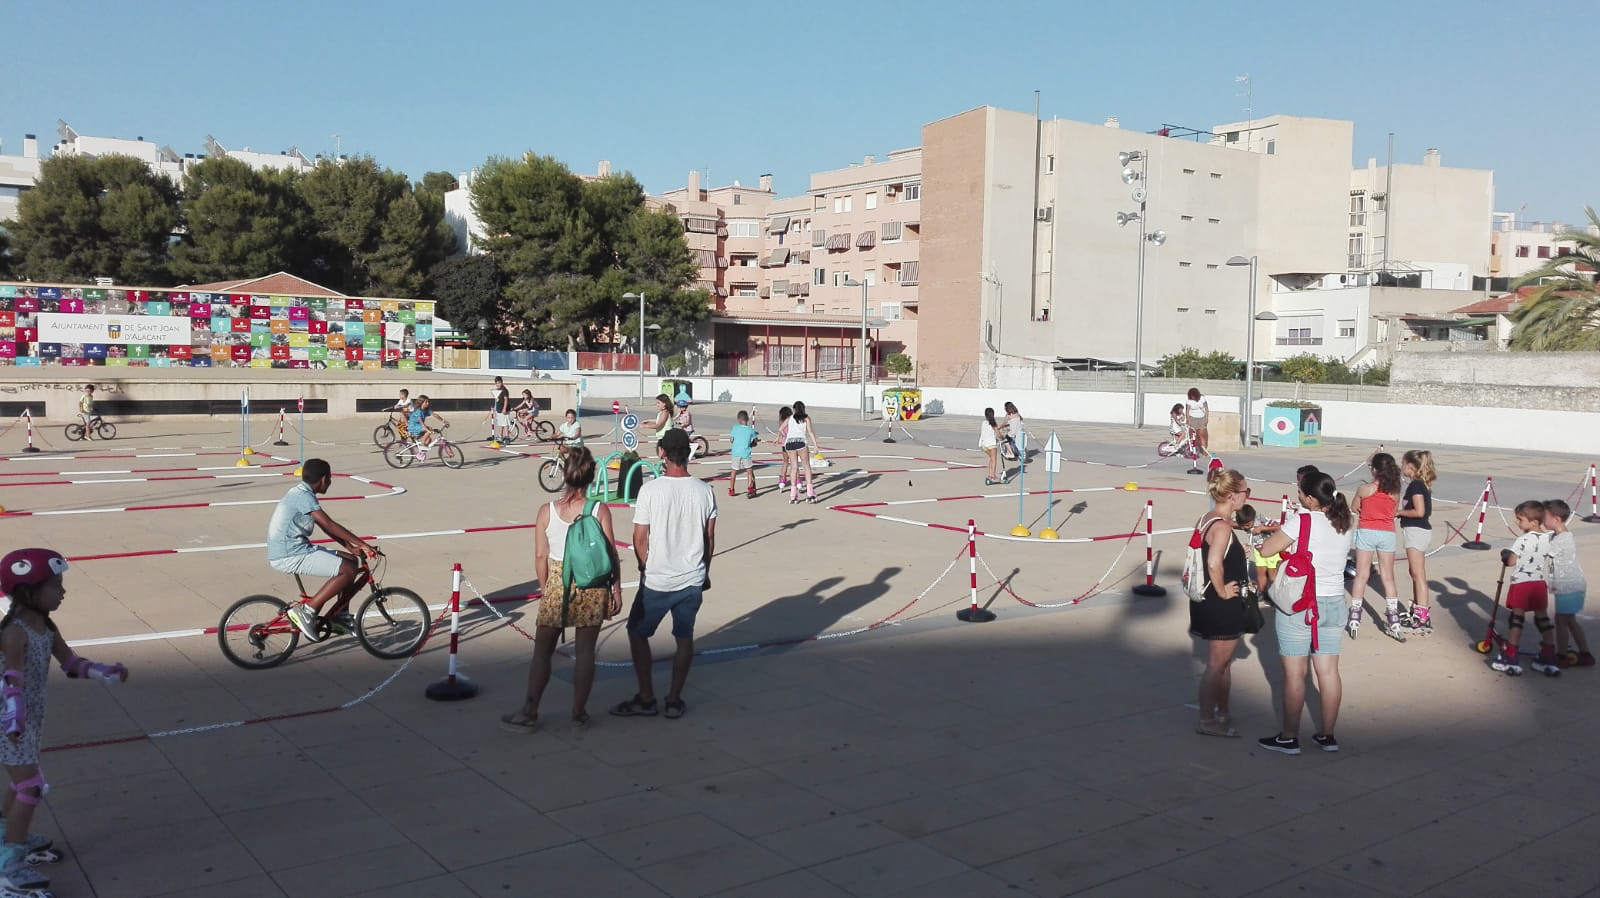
420	433
32	578
585	610
570	431
797	438
685	422
527	410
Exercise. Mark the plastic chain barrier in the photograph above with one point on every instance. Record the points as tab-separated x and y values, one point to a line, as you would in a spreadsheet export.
1091	591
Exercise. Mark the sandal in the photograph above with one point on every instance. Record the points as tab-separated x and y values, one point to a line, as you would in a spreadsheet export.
1216	728
675	709
635	707
580	720
520	722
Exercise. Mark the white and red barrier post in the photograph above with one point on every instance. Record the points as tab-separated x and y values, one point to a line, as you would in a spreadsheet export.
280	441
455	686
30	447
972	614
1477	541
1593	517
1149	586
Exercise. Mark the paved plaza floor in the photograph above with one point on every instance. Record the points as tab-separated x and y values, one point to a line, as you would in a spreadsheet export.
845	734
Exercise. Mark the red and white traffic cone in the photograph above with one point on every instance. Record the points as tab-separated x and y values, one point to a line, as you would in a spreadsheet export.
972	614
455	686
1477	541
1149	587
280	441
1593	517
30	447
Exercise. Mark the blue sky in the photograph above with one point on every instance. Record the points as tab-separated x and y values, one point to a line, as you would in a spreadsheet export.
740	89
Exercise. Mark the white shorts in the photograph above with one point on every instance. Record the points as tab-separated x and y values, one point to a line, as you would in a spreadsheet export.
1419	538
502	420
319	562
742	464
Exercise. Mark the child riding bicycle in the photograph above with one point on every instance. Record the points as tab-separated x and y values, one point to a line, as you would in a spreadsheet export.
419	433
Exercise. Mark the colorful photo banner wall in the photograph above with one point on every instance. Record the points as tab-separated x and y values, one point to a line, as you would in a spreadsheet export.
50	325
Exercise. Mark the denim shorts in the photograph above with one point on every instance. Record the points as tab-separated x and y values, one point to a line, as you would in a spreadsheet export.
1294	637
1569	602
319	562
650	606
1373	540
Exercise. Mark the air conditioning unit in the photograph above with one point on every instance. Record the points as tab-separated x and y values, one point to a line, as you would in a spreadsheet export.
1043	214
891	190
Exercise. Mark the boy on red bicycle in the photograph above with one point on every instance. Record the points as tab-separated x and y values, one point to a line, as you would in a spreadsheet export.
290	551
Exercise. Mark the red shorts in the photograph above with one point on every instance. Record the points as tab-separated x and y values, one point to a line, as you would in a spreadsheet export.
1531	595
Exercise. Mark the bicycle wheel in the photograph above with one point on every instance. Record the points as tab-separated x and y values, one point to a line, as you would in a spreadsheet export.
550	476
701	447
450	454
255	633
1167	449
399	454
393	623
383	436
75	431
106	430
544	430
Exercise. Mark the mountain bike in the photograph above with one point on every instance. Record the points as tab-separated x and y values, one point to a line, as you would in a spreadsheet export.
97	427
407	449
392	623
385	434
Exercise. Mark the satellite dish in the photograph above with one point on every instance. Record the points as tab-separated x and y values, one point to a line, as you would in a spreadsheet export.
1138	194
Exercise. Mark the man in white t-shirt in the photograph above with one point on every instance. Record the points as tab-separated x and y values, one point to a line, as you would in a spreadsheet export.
674	537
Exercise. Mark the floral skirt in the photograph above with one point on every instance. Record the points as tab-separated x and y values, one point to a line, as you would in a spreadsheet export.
585	608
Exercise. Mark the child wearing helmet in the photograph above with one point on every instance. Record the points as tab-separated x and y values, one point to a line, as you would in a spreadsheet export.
685	422
32	579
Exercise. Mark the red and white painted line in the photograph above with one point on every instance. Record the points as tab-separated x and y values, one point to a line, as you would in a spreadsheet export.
858	508
3	483
391	490
237	475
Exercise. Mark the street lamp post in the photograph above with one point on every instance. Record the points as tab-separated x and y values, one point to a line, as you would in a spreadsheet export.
1137	177
863	285
640	298
1247	406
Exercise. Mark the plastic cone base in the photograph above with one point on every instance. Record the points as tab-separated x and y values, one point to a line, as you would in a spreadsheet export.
249	452
242	463
298	471
975	615
31	449
1149	589
889	439
448	690
1477	545
1048	533
494	444
280	441
1131	487
1591	519
1020	530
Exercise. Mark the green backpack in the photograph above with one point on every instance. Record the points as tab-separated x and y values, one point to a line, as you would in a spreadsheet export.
587	555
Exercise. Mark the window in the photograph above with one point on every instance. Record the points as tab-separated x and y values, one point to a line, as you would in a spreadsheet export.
1522	252
744	291
914	191
1272	148
819	277
842	204
889	311
839	277
1378	246
1347	327
744	227
1358	210
835	360
1358	256
890	232
1544	252
700	225
870	278
872	199
1050	164
1300	330
785	359
743	261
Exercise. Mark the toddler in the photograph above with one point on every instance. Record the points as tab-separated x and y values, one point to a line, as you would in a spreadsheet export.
1568	583
1529	560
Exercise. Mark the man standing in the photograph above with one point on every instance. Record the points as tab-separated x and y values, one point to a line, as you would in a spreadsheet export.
500	413
289	548
674	537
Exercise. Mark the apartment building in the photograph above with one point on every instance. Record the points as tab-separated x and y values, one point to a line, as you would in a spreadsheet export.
18	174
1518	247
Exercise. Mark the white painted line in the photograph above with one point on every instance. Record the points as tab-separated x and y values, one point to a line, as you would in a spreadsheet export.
884	517
139	637
420	533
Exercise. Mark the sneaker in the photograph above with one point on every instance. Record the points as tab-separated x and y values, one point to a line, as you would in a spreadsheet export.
342	624
1326	742
304	619
1546	664
1506	664
1280	744
730	494
1584	660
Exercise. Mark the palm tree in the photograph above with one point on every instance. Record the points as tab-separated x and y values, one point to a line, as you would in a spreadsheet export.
1562	312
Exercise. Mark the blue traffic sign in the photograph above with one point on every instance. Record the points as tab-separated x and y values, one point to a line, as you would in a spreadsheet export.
630	421
629	441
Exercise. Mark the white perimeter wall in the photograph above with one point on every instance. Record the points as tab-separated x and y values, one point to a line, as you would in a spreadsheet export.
1390	423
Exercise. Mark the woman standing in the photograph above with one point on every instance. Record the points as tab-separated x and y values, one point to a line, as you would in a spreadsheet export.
796	440
1219	617
1199	411
1416	507
989	442
1014	434
584	609
1328	537
1375	505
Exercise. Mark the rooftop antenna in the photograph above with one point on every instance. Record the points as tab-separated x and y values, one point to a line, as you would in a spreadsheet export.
338	152
1249	108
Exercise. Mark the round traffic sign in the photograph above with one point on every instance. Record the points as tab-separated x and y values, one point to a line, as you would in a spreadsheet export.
629	441
630	421
302	403
616	407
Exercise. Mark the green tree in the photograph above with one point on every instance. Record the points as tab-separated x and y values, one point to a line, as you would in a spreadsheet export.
468	289
898	364
569	249
6	261
1559	314
88	217
375	234
1190	364
1305	368
240	222
440	182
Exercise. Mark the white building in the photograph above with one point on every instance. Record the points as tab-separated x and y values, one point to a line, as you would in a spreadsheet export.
1519	247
